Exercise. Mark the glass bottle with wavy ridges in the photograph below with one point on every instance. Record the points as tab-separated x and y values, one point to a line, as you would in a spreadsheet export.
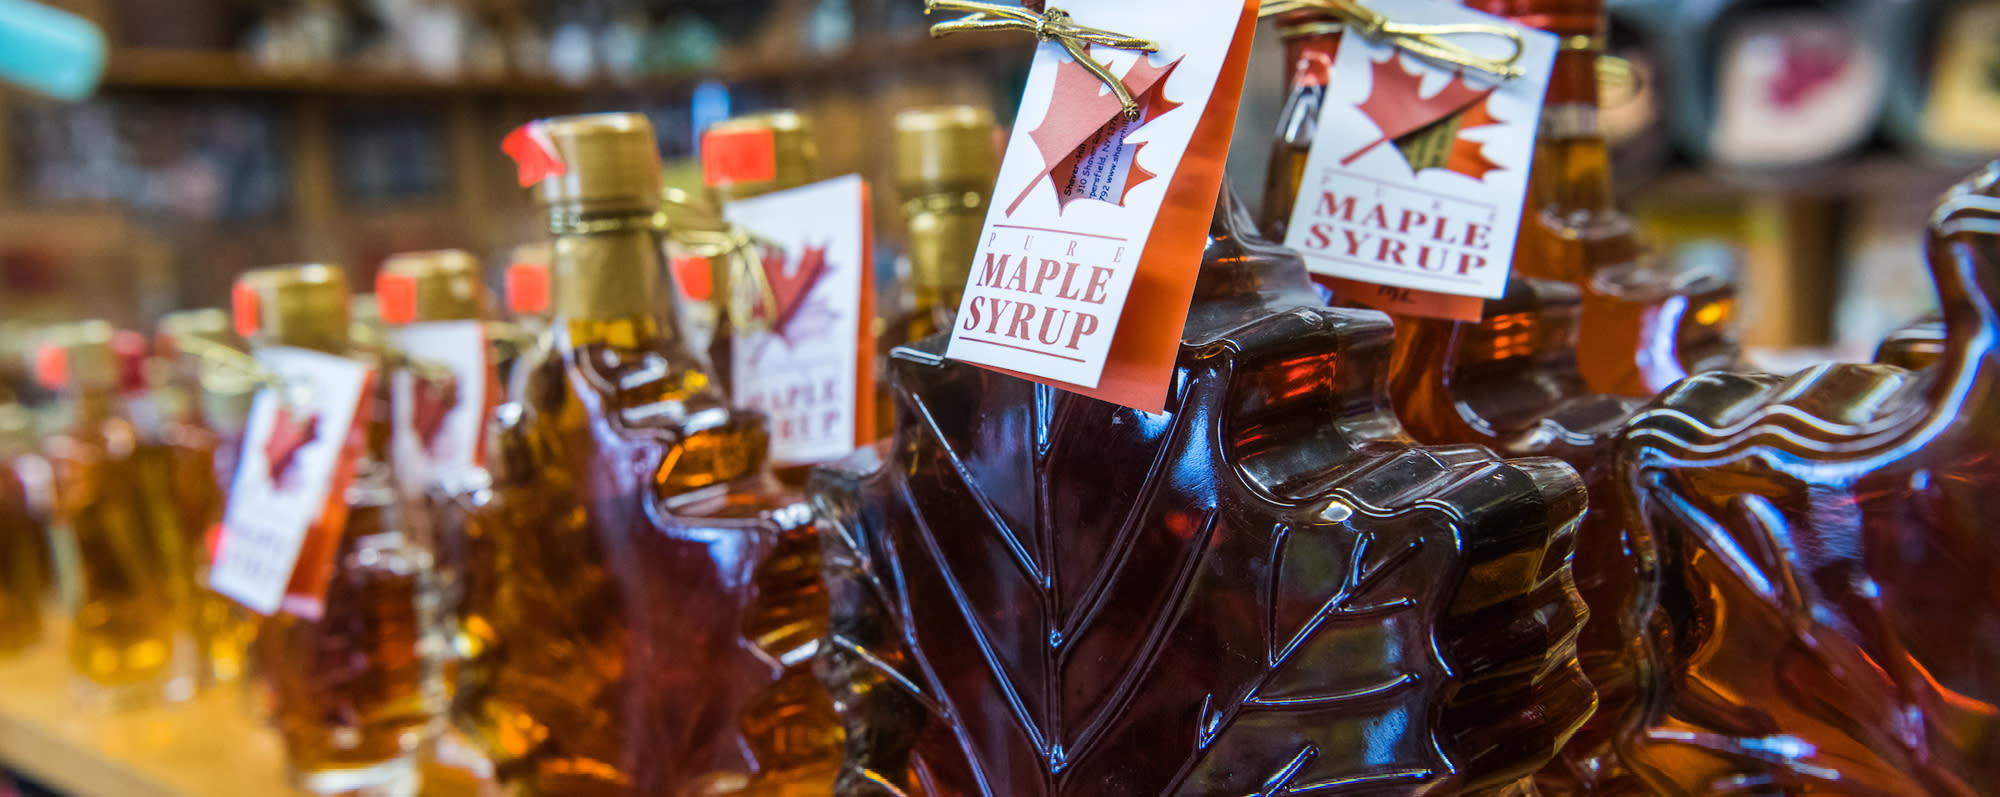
116	538
24	562
1511	382
1258	590
350	683
199	459
947	159
1827	621
656	600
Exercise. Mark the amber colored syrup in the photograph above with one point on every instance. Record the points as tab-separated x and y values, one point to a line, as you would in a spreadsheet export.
122	542
23	566
1827	621
356	692
1264	589
184	462
649	600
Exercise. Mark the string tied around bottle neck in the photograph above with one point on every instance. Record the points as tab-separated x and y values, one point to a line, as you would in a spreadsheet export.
1424	40
1050	24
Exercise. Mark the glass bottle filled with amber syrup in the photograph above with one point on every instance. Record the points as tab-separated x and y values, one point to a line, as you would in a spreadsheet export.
1253	591
1515	380
658	602
1826	621
742	157
947	159
443	388
25	569
201	388
115	536
350	681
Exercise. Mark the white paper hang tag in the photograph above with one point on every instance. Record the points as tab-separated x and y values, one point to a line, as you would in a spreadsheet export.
438	424
294	462
1419	171
1082	193
809	366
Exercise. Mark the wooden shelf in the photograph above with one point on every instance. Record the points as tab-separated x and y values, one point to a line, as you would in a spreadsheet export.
206	747
196	70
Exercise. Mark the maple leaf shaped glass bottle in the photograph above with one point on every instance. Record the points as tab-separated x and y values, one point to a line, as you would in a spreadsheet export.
116	540
200	456
24	562
1827	620
1265	588
947	159
1511	382
352	686
657	601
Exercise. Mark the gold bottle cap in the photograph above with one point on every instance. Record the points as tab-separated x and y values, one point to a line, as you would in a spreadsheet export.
17	430
79	356
417	287
298	305
208	325
948	148
610	164
759	153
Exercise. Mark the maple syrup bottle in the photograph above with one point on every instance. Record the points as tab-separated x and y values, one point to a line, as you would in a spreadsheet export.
353	693
743	157
115	540
198	460
24	565
947	159
1827	621
1254	591
1509	382
525	290
1643	327
657	602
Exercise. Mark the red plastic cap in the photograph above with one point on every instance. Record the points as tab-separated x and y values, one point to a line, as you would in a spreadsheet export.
692	276
738	156
396	298
528	288
243	306
1569	17
51	366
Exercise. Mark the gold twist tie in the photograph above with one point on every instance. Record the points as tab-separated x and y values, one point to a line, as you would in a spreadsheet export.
1423	40
702	232
228	358
1054	25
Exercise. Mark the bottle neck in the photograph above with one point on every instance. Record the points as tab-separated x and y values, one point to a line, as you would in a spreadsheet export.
944	239
1572	167
608	288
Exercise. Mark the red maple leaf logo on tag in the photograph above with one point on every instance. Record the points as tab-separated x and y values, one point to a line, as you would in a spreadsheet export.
1425	129
1807	65
288	435
1082	138
789	287
432	400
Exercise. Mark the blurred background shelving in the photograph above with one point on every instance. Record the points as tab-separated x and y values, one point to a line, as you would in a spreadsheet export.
226	136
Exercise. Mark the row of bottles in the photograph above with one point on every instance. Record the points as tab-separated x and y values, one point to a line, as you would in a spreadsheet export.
1563	547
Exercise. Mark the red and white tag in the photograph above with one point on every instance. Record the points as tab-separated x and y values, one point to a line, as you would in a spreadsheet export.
811	368
286	507
1419	171
439	424
1090	252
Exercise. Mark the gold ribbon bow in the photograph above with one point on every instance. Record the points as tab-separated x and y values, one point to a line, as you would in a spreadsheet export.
735	257
1424	40
229	360
1053	24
